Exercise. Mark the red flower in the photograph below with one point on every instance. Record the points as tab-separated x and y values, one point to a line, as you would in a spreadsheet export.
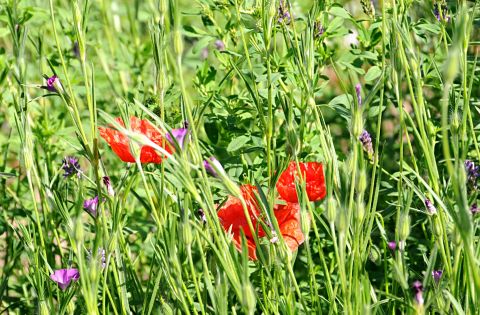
288	218
119	141
314	181
232	217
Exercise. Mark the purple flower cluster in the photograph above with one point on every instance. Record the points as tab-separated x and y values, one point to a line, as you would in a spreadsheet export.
473	172
440	7
366	141
283	13
101	254
318	29
71	166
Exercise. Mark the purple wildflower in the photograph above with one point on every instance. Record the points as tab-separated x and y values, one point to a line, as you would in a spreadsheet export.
179	135
202	215
473	172
358	91
430	207
101	254
319	30
108	184
366	141
392	245
70	166
212	165
283	13
63	277
418	291
219	45
440	7
51	83
474	209
91	205
437	274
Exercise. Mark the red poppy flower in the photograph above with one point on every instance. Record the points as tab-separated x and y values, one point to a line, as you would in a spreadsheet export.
232	217
119	141
288	218
314	181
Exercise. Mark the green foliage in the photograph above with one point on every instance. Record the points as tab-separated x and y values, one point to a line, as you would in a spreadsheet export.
257	92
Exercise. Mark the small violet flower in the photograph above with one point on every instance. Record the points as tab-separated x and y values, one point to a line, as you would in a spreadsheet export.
101	254
473	172
64	277
392	245
437	274
437	7
71	166
108	184
418	291
179	135
358	91
212	165
318	29
430	207
91	205
219	45
474	209
283	14
53	84
366	141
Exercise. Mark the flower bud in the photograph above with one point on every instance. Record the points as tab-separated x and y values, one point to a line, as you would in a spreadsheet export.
404	226
331	210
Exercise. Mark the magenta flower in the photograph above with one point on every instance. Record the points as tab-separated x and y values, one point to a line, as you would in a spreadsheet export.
474	209
437	274
63	277
430	207
418	291
392	245
179	136
212	165
91	205
108	184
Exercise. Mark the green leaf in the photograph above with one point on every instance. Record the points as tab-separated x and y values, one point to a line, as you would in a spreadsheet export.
237	143
373	74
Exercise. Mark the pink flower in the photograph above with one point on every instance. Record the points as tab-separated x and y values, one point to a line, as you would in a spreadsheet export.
63	277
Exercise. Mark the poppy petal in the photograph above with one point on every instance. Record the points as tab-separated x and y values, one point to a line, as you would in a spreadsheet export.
119	142
232	217
314	181
288	218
